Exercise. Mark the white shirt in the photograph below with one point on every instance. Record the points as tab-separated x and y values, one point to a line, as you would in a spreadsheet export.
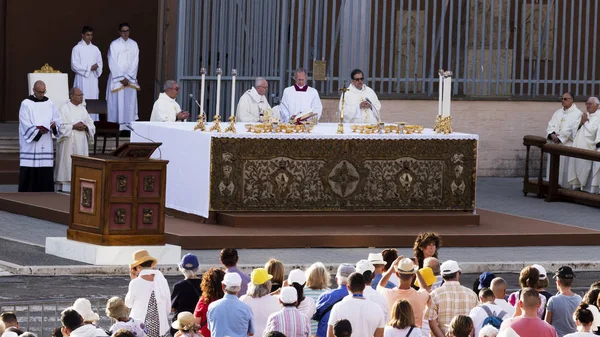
478	315
262	308
37	153
580	334
251	105
9	334
390	331
308	307
72	142
586	138
83	57
505	306
138	297
165	109
564	123
294	102
373	295
123	61
365	316
353	113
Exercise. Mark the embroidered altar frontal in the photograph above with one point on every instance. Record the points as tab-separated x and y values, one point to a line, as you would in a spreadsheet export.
258	174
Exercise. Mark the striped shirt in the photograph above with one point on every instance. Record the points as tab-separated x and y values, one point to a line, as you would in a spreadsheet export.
449	300
314	294
290	322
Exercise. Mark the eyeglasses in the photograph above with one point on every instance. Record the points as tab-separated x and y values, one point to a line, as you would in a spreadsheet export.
125	31
176	89
566	98
40	92
359	79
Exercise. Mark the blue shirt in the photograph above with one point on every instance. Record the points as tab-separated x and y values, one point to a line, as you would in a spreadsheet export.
378	278
326	302
245	280
230	317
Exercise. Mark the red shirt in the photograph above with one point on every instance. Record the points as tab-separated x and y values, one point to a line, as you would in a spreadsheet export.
529	327
201	311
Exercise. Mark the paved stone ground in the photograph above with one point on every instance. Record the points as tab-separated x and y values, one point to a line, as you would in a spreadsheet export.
498	194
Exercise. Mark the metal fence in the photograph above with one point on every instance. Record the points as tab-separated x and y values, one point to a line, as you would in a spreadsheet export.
500	48
42	317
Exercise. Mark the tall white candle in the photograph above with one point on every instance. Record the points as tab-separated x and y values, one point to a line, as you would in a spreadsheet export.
219	73
233	75
447	93
203	73
440	91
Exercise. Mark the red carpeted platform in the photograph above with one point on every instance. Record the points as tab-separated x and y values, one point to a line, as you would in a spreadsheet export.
329	229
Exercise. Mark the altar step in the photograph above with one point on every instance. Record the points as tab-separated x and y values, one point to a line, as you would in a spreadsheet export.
299	230
334	219
9	168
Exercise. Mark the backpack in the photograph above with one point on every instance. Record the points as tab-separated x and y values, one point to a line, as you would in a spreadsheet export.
493	320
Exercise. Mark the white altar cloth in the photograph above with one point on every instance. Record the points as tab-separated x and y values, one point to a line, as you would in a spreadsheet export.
188	153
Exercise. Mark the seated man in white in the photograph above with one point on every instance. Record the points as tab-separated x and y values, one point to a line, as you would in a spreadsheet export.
361	104
166	108
561	130
582	174
75	134
253	105
300	100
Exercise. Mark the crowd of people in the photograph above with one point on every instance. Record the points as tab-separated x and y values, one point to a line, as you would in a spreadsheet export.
383	295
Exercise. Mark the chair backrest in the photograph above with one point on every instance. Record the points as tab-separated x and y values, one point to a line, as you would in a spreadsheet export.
97	106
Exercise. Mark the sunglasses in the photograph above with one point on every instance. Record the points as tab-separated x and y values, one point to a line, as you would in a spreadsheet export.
125	31
359	79
566	98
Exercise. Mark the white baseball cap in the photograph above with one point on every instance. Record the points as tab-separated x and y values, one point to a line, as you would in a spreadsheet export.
542	271
449	267
232	280
288	295
297	276
363	266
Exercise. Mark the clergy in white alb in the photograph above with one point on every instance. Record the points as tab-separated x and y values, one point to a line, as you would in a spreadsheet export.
38	120
361	104
253	105
86	62
561	130
75	134
166	108
299	99
582	174
122	87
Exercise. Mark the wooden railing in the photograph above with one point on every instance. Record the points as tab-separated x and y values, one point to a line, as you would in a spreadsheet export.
552	189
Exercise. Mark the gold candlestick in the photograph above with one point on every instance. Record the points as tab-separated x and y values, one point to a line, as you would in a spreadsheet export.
216	124
231	127
340	128
200	126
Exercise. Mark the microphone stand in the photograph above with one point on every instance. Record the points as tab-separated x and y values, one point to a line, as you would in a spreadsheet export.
146	138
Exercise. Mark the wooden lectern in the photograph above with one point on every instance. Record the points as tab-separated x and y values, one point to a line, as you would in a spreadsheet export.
119	199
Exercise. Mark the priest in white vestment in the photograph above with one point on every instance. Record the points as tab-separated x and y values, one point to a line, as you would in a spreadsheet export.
361	104
561	130
166	108
86	62
582	174
38	120
122	87
299	100
76	133
253	106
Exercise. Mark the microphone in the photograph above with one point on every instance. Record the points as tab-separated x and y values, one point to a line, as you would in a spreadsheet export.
128	125
198	104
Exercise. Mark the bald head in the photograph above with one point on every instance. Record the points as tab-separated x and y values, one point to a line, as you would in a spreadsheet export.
39	89
498	286
432	263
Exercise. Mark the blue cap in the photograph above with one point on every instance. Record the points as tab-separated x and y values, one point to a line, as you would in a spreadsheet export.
485	279
189	262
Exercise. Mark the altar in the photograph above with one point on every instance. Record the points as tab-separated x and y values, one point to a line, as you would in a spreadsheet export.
317	171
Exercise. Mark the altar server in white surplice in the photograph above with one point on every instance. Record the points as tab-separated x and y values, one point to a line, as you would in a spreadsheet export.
166	108
299	99
254	104
76	133
38	120
561	130
86	62
361	104
582	174
122	87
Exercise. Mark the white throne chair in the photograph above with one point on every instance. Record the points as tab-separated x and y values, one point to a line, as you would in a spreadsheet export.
57	84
